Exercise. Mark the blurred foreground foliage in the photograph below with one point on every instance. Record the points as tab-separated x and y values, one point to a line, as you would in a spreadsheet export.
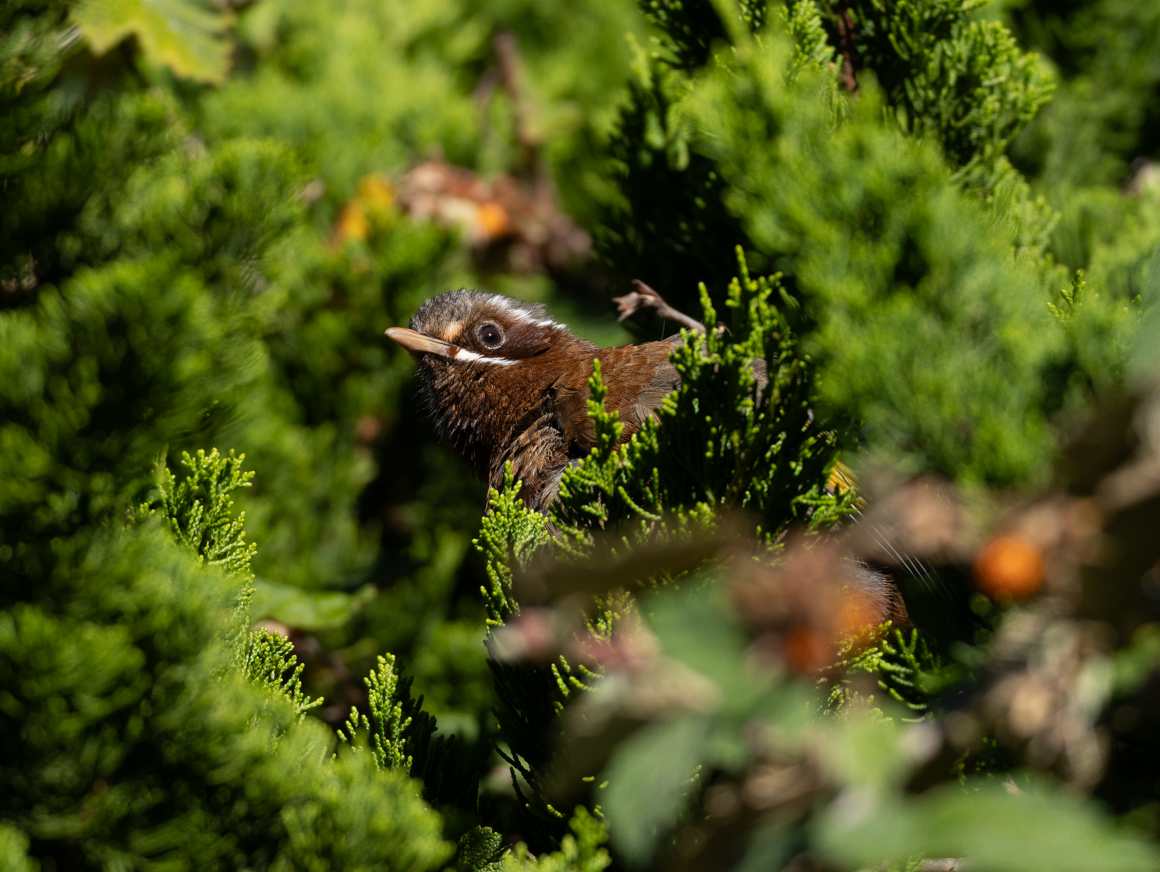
944	247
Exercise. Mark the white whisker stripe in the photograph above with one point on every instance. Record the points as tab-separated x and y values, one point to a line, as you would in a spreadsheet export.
464	354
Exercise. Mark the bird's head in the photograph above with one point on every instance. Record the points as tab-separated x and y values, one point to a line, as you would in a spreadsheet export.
485	361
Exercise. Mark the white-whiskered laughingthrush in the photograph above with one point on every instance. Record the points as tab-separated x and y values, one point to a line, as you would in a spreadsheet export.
507	383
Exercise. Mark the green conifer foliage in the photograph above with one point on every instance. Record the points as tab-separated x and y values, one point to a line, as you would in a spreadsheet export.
828	177
127	315
670	222
888	301
509	535
1104	115
912	317
198	514
721	442
401	736
198	511
965	83
90	395
1091	152
126	742
133	734
917	299
580	850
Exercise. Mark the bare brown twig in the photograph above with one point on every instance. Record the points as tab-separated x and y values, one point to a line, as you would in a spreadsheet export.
645	297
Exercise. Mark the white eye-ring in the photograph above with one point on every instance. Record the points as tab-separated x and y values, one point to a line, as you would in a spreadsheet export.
490	335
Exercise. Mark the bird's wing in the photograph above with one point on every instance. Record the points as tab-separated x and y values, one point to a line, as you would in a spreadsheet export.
638	378
644	377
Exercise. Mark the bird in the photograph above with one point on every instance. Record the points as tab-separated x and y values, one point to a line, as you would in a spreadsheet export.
507	383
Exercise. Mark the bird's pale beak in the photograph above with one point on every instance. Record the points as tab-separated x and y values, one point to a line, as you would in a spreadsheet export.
417	343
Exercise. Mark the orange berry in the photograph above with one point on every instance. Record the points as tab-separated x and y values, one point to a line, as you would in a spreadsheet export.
1008	566
493	221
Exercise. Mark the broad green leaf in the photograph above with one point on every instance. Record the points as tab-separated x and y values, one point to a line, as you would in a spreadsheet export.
1041	830
650	779
184	35
694	628
303	609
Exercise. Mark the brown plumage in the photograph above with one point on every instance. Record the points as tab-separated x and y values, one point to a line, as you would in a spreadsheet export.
505	382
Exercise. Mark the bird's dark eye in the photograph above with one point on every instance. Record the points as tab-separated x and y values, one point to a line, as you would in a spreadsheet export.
490	335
